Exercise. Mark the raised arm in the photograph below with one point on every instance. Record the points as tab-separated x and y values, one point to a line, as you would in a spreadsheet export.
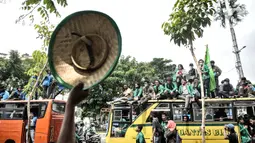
67	132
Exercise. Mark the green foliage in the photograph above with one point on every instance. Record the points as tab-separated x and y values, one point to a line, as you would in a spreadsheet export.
44	33
237	12
128	71
188	19
12	70
43	7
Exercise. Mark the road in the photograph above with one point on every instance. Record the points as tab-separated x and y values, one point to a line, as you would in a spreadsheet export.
102	137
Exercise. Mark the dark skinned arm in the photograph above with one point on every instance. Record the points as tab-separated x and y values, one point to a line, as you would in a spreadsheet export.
67	132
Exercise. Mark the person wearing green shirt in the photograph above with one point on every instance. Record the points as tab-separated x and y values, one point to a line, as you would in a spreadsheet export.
187	93
206	77
140	137
138	92
245	136
158	89
170	88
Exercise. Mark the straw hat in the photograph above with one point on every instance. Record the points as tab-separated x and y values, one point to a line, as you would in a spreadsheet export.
85	47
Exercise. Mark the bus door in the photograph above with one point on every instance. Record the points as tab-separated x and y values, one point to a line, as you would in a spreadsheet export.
121	120
58	110
42	123
11	122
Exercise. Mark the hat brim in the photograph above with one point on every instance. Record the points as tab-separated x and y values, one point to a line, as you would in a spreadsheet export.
53	40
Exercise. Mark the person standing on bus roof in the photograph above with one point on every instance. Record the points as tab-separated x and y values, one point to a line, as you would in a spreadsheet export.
192	72
158	89
140	137
170	88
33	120
206	77
46	82
217	72
4	94
232	136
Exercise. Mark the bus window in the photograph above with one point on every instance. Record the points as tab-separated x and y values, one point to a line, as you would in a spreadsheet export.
137	110
121	121
58	107
177	111
214	112
244	107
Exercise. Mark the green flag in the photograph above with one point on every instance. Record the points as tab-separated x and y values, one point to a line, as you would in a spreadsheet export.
211	73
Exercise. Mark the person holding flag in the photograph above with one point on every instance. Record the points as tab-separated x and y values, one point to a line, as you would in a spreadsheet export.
212	82
206	77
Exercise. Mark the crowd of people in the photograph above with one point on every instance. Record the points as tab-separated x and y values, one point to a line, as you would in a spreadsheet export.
186	85
48	86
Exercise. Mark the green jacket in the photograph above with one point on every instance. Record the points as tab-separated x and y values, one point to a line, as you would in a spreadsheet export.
159	89
189	88
170	88
138	92
245	137
206	72
140	138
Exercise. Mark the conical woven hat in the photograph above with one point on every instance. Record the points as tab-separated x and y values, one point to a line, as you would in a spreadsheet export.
85	47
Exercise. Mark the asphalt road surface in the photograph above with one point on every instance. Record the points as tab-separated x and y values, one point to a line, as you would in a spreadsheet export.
102	137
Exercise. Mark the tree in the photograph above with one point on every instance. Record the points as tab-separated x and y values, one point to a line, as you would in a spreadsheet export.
185	24
233	13
163	68
43	7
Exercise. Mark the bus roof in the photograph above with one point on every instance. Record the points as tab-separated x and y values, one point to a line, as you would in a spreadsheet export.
25	101
206	100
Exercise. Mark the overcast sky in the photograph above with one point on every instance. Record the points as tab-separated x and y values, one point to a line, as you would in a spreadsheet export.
140	26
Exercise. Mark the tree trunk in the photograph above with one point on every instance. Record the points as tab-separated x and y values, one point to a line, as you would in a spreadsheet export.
28	101
234	41
202	91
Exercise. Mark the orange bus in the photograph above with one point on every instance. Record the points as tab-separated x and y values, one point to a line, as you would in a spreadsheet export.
13	120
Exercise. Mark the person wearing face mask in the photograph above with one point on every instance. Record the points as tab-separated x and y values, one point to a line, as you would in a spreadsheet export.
192	72
138	91
226	89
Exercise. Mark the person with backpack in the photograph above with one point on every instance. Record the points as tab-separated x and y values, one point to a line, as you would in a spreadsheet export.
171	133
140	137
157	130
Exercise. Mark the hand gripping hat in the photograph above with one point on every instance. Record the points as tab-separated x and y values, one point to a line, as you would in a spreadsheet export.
85	47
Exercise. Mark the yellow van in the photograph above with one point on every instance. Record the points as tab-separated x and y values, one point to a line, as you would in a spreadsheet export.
125	118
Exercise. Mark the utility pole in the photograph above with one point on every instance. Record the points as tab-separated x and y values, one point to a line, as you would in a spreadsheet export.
236	51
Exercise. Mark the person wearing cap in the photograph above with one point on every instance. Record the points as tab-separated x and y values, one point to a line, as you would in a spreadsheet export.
226	89
206	77
217	72
159	90
170	88
232	136
192	72
4	94
140	137
245	136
